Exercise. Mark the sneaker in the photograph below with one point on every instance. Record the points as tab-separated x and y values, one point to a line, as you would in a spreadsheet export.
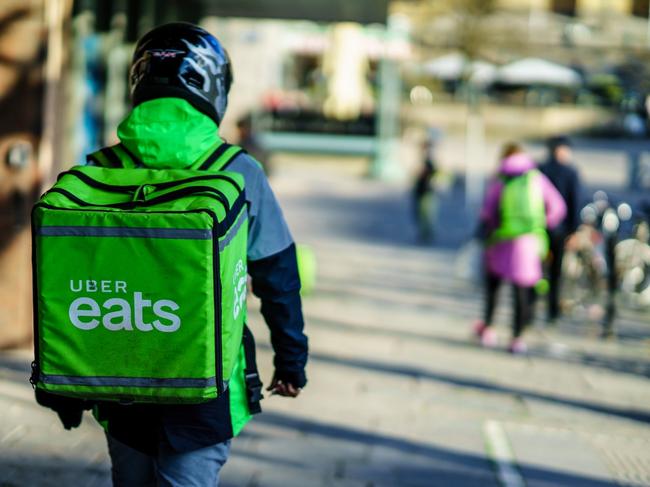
552	322
489	338
478	328
485	334
607	334
518	347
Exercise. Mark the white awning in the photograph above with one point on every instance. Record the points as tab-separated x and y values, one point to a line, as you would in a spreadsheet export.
533	71
453	66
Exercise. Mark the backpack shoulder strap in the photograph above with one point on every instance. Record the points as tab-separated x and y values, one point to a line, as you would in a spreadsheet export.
104	157
251	375
221	158
115	156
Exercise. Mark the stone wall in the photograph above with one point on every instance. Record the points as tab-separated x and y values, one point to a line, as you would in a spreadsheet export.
22	52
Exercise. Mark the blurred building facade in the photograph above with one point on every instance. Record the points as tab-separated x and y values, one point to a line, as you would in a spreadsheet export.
580	7
64	80
28	84
64	87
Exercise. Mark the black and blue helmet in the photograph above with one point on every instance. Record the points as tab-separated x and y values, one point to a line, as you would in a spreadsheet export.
184	61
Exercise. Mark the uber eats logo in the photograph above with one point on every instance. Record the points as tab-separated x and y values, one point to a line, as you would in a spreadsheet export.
119	313
239	287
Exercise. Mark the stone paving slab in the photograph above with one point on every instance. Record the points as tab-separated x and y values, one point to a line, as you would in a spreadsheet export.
554	456
35	450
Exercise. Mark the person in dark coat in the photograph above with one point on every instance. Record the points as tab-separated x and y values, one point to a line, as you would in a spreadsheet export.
424	202
559	169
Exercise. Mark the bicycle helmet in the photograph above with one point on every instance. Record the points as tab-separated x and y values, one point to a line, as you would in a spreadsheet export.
184	61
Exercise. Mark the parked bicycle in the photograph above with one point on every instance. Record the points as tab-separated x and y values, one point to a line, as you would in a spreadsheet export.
633	263
598	265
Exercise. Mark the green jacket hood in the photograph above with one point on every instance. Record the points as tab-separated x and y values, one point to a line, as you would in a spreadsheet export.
168	133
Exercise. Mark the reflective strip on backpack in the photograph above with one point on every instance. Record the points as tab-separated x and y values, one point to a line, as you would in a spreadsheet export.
232	233
69	380
138	232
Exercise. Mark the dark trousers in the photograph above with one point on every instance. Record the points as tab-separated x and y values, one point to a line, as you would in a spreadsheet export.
556	242
522	301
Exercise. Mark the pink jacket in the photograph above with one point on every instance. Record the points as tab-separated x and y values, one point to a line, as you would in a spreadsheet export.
518	260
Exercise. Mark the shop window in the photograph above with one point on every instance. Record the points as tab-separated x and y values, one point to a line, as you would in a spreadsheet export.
564	7
640	8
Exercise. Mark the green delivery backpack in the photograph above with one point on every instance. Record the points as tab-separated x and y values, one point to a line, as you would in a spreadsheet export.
139	284
522	211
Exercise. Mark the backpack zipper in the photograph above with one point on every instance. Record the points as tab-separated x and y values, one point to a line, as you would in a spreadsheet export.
172	195
130	187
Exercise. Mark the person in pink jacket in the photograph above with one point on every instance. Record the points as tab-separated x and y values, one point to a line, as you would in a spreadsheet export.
515	251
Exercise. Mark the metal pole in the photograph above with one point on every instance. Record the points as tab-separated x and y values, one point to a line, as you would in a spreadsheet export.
474	151
387	147
385	164
648	36
533	17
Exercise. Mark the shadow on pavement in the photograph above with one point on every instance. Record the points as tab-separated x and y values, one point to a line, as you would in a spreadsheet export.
388	218
278	459
443	466
377	219
415	372
433	302
632	366
15	364
19	471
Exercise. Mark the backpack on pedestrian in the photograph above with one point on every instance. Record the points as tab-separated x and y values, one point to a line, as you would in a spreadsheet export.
140	280
521	210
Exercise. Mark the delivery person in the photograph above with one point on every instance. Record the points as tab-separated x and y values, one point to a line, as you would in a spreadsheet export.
180	78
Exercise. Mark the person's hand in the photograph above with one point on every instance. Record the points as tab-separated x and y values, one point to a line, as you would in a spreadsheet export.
572	242
70	410
280	388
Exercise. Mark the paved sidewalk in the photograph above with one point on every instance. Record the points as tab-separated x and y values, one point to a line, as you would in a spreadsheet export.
399	395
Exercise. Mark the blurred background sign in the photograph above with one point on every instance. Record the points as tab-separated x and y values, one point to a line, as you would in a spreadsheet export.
361	11
143	13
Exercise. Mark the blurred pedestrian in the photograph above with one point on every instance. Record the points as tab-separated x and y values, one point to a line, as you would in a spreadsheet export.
249	141
520	204
424	201
559	170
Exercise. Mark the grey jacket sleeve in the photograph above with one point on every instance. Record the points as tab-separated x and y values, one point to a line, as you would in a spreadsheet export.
273	268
